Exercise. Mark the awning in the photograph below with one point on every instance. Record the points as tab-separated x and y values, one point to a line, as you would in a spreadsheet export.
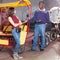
16	4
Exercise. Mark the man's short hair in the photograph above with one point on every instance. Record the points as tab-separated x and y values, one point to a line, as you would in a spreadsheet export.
41	2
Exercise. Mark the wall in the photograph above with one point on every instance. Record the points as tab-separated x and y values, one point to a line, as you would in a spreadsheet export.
52	3
22	11
0	1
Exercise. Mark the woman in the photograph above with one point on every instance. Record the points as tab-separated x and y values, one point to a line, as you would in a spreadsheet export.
15	22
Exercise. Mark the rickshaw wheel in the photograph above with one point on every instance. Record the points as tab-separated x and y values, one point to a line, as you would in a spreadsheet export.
1	48
53	35
47	41
21	49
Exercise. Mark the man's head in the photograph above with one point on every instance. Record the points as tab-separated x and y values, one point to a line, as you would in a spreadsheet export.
41	5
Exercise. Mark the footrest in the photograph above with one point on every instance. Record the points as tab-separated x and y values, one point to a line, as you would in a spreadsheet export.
4	42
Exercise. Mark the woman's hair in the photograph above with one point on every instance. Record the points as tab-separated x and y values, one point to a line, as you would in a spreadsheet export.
10	12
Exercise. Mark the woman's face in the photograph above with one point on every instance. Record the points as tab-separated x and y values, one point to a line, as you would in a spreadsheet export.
14	11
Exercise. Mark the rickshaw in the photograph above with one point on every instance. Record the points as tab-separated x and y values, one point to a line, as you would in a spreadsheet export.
55	20
6	39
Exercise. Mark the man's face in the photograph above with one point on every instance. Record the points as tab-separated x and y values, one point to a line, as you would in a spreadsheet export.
41	5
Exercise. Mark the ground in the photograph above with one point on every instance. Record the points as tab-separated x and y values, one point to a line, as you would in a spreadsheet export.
51	52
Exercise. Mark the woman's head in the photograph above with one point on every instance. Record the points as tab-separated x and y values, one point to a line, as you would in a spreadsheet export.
10	11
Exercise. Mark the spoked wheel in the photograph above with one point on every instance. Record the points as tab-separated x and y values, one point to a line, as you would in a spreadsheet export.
53	35
1	48
21	49
47	41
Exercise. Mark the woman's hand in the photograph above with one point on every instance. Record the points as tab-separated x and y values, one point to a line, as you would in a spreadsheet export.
20	23
25	21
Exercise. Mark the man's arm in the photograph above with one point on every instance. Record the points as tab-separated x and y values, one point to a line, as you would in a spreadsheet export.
34	17
47	17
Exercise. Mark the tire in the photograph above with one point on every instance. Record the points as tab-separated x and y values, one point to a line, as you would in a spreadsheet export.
53	35
21	49
47	41
1	48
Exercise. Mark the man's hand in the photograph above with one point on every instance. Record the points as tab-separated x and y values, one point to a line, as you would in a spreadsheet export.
46	23
38	21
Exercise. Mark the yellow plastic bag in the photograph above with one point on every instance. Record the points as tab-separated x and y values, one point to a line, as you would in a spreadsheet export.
23	34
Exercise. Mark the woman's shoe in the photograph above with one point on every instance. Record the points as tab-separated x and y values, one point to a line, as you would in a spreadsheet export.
16	56
19	57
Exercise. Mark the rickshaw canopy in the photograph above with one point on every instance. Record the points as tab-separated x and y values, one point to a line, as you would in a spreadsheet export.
16	4
19	3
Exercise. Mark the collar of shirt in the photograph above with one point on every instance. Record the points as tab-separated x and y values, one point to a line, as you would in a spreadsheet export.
42	9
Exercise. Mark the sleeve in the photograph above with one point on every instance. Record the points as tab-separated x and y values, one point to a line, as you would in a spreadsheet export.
34	17
47	17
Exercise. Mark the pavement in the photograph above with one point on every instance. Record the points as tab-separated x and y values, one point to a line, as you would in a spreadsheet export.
51	52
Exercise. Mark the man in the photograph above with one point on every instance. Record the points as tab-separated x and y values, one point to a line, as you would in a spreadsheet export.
41	17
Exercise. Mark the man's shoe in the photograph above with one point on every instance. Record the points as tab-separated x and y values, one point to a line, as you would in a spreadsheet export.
41	49
33	49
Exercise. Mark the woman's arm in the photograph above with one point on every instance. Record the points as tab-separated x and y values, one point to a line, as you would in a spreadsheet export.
14	24
19	20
